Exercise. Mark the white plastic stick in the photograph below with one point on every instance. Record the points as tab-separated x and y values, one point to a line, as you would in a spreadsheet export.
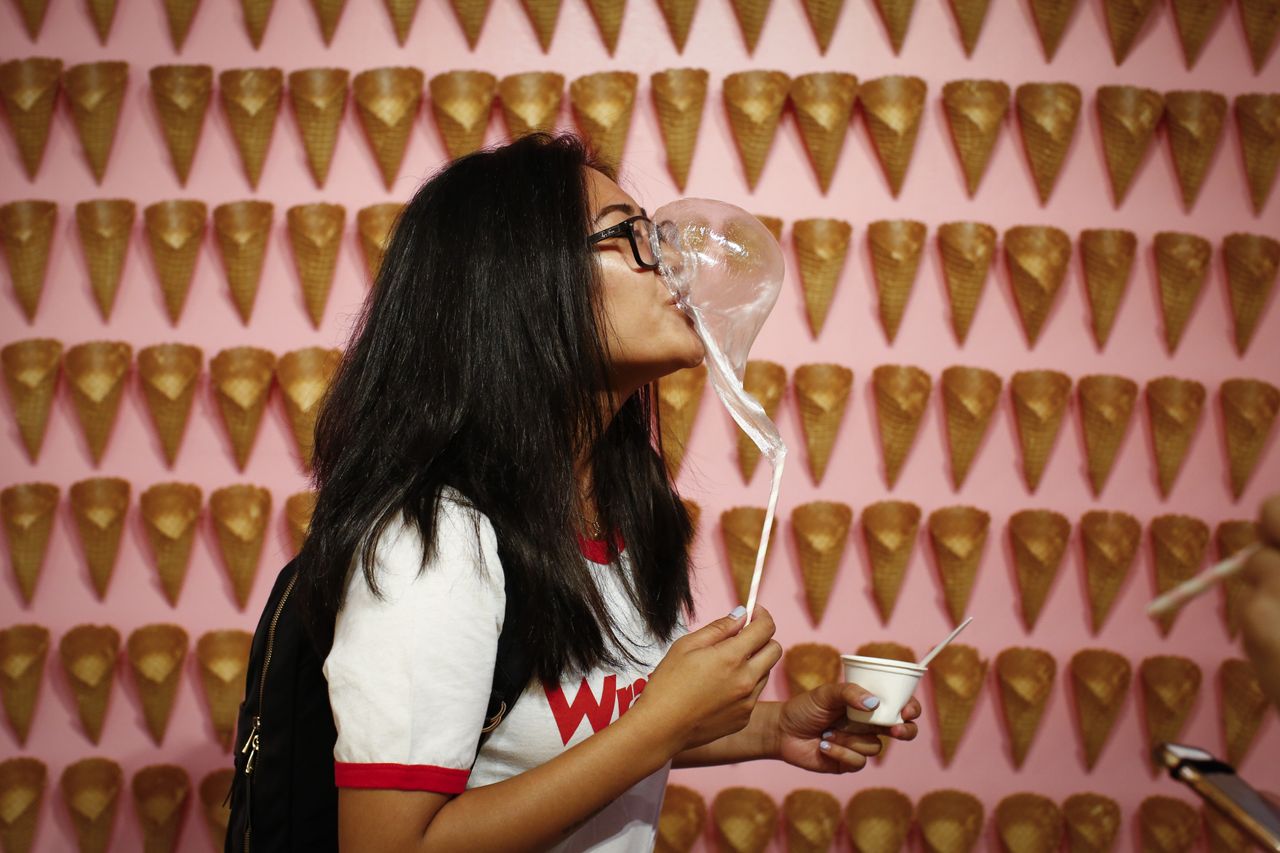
758	571
1189	589
933	654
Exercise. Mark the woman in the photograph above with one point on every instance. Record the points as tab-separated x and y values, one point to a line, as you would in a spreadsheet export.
495	404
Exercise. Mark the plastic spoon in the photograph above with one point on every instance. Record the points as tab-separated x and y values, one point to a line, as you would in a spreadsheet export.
933	654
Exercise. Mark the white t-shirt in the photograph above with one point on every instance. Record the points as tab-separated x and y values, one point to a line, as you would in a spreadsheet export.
409	678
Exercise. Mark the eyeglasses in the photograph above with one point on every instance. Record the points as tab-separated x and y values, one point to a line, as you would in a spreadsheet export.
639	233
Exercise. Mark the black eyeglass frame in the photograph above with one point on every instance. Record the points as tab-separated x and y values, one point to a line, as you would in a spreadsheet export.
625	228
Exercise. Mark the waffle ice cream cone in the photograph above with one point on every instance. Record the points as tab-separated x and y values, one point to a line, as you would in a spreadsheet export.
679	397
101	14
1026	679
23	650
893	106
888	650
100	505
240	516
1244	706
765	381
822	393
1037	257
970	16
745	819
823	103
241	380
1039	538
822	246
773	223
1260	28
95	91
975	112
179	14
26	235
315	235
754	100
1107	257
251	101
679	17
224	660
304	377
97	371
91	792
181	96
1170	686
751	15
387	102
243	229
156	653
89	654
602	105
170	515
462	102
471	15
1048	114
608	16
821	531
969	399
374	225
1173	409
680	824
328	14
679	95
105	226
1168	825
29	90
1182	267
1232	536
1040	400
812	818
175	230
902	394
889	530
958	535
1258	126
950	821
298	508
1222	833
1100	682
213	793
22	784
31	378
530	101
544	15
160	793
1249	408
169	375
1110	541
823	16
28	510
1194	20
896	15
1125	18
878	820
1194	120
318	97
1178	546
1093	822
741	528
1128	115
1106	409
967	250
1029	823
957	675
896	246
1251	261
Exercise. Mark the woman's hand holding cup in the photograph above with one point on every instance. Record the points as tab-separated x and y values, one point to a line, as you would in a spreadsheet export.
815	732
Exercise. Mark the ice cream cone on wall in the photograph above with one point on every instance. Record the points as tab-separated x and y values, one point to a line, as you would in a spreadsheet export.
821	531
970	15
1110	541
170	514
1029	823
1258	126
224	659
893	106
969	398
765	381
1230	537
318	97
958	535
241	380
1100	682
1051	18
1222	833
156	653
544	15
1194	120
745	819
950	821
1178	546
1037	257
89	654
91	792
823	16
1093	822
315	235
213	803
1039	538
823	103
97	371
608	15
175	230
1048	114
1260	28
1244	706
822	393
26	235
679	398
257	14
773	223
471	15
160	794
603	104
754	101
1168	825
902	394
1194	20
105	227
240	516
179	14
680	825
22	785
967	250
95	91
1107	255
31	378
821	246
741	528
28	510
387	102
1249	408
888	650
251	100
1125	18
328	14
1026	679
812	818
462	102
1170	687
957	675
374	224
181	95
896	15
169	375
23	651
1182	267
298	508
679	95
243	229
29	89
975	112
100	506
889	530
304	377
1173	410
1252	261
1128	115
878	820
751	15
530	101
679	17
1106	410
896	246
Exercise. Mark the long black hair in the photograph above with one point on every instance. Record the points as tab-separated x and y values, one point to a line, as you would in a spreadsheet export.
477	363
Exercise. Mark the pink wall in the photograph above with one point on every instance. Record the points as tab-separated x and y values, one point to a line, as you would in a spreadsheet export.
933	192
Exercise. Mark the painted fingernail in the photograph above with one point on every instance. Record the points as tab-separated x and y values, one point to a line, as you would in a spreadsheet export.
871	702
825	746
827	734
738	612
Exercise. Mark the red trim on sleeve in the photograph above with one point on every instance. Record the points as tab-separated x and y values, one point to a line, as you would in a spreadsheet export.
401	777
602	551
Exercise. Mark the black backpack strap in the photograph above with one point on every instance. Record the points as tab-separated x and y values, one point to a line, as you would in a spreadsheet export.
512	669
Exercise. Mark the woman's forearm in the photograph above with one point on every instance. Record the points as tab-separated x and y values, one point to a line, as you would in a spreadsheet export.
758	740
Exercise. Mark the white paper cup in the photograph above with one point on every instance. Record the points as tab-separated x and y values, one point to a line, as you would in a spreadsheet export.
890	681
